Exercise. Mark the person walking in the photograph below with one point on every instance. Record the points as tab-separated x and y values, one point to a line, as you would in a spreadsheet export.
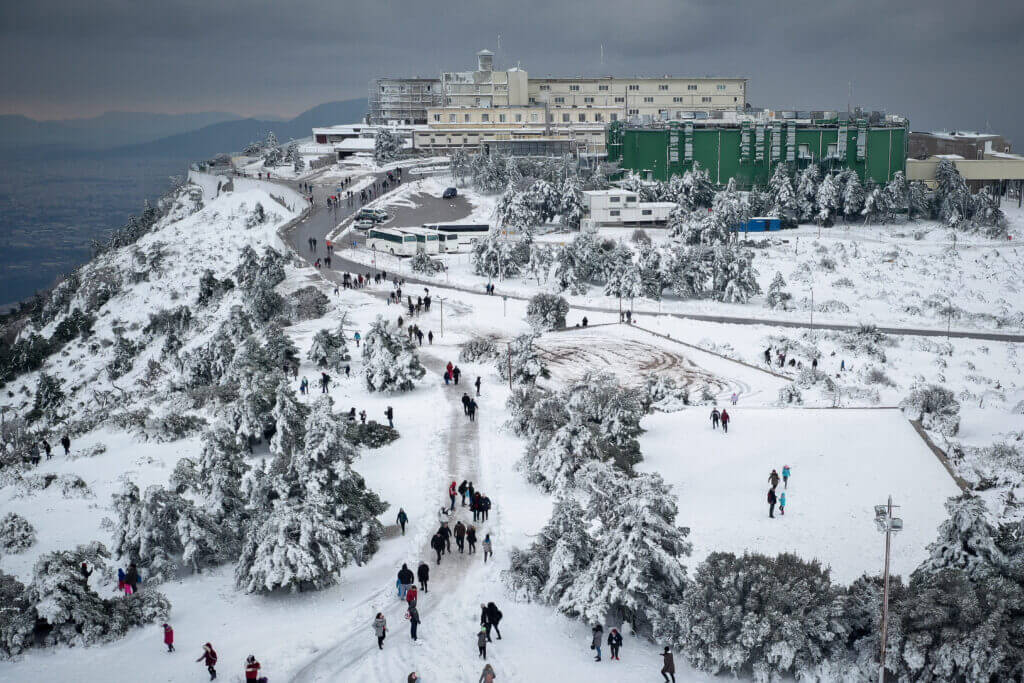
414	620
357	339
169	637
785	476
485	508
209	658
782	503
463	487
465	403
715	417
460	535
773	479
402	519
423	573
131	579
477	383
120	579
725	421
614	643
456	374
412	596
389	413
437	543
65	441
595	641
453	490
472	410
668	665
471	538
380	629
488	552
446	534
48	449
487	675
325	381
494	616
771	502
405	580
481	642
304	386
430	336
252	668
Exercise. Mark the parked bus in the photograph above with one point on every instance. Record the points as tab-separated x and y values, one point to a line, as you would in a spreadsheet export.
428	241
391	241
468	233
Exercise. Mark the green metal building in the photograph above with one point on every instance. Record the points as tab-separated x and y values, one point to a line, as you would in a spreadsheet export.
749	151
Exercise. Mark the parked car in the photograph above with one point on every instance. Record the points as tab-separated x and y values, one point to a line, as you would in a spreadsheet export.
364	224
450	193
375	215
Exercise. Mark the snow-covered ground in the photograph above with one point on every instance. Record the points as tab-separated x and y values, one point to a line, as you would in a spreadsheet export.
844	462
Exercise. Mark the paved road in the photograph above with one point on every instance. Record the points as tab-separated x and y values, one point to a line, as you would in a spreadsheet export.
322	221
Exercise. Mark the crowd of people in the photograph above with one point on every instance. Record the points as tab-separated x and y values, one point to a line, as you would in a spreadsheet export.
774	497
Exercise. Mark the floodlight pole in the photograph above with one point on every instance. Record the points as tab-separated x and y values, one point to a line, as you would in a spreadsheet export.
885	591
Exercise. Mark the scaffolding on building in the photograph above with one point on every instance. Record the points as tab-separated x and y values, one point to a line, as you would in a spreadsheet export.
402	100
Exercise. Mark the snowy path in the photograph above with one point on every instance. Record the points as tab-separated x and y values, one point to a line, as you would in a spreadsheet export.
355	656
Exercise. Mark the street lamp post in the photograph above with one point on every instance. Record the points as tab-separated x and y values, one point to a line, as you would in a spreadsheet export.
441	302
888	525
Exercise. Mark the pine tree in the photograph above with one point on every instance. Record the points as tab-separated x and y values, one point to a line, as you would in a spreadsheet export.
897	196
729	207
571	202
783	197
271	151
540	260
16	534
387	145
494	257
289	418
966	541
390	361
523	360
853	195
328	350
218	473
807	192
649	268
777	296
458	163
917	200
17	620
546	312
827	201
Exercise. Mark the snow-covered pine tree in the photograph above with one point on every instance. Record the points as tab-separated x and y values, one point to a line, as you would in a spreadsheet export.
918	203
512	173
271	151
777	296
618	268
807	192
328	350
390	361
279	348
494	257
966	541
649	268
552	464
458	164
320	518
828	200
734	279
783	197
875	208
387	145
289	416
561	551
17	620
853	194
218	474
49	396
291	152
637	568
897	197
952	194
145	531
777	616
522	358
729	206
539	263
546	312
987	214
545	200
571	202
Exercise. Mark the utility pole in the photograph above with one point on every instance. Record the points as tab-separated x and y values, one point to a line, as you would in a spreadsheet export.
441	307
889	525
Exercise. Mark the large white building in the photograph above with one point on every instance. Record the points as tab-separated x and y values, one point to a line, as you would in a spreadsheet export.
616	207
476	108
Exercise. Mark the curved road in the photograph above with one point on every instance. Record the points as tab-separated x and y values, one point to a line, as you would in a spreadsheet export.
320	222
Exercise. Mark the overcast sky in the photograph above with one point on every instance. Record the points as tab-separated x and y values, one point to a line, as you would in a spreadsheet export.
943	63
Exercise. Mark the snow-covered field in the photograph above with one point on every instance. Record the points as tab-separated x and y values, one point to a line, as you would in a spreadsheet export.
844	462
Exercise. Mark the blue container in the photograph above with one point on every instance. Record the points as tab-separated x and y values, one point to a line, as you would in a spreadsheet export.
760	224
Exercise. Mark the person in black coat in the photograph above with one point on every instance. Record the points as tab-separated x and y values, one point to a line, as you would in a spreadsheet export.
437	543
463	489
406	579
771	502
615	642
446	534
423	572
493	618
485	507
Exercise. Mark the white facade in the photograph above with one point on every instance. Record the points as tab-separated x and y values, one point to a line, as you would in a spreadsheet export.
622	208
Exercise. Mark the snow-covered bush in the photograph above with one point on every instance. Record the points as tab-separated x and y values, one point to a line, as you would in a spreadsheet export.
769	616
49	396
169	321
546	312
844	283
663	394
966	541
69	485
866	340
422	263
790	395
478	349
309	303
935	407
1001	464
875	375
372	434
832	306
17	619
16	533
522	360
211	288
390	361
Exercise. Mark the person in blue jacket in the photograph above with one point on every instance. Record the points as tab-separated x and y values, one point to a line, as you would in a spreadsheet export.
785	476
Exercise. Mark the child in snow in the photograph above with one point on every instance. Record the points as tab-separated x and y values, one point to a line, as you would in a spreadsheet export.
785	476
782	503
209	658
252	668
487	675
481	642
380	628
488	552
169	637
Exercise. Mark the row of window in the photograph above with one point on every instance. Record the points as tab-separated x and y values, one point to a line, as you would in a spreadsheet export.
648	99
518	118
447	140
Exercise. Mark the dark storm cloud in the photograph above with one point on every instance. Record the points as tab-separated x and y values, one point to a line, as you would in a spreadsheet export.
943	63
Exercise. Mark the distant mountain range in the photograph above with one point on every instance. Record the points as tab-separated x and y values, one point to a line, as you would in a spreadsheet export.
169	136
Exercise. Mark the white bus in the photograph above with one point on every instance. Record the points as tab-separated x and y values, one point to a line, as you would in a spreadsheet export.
391	241
428	241
468	233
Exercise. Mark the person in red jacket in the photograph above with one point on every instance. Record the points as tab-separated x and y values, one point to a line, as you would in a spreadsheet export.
411	595
209	658
169	637
452	492
725	421
252	668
